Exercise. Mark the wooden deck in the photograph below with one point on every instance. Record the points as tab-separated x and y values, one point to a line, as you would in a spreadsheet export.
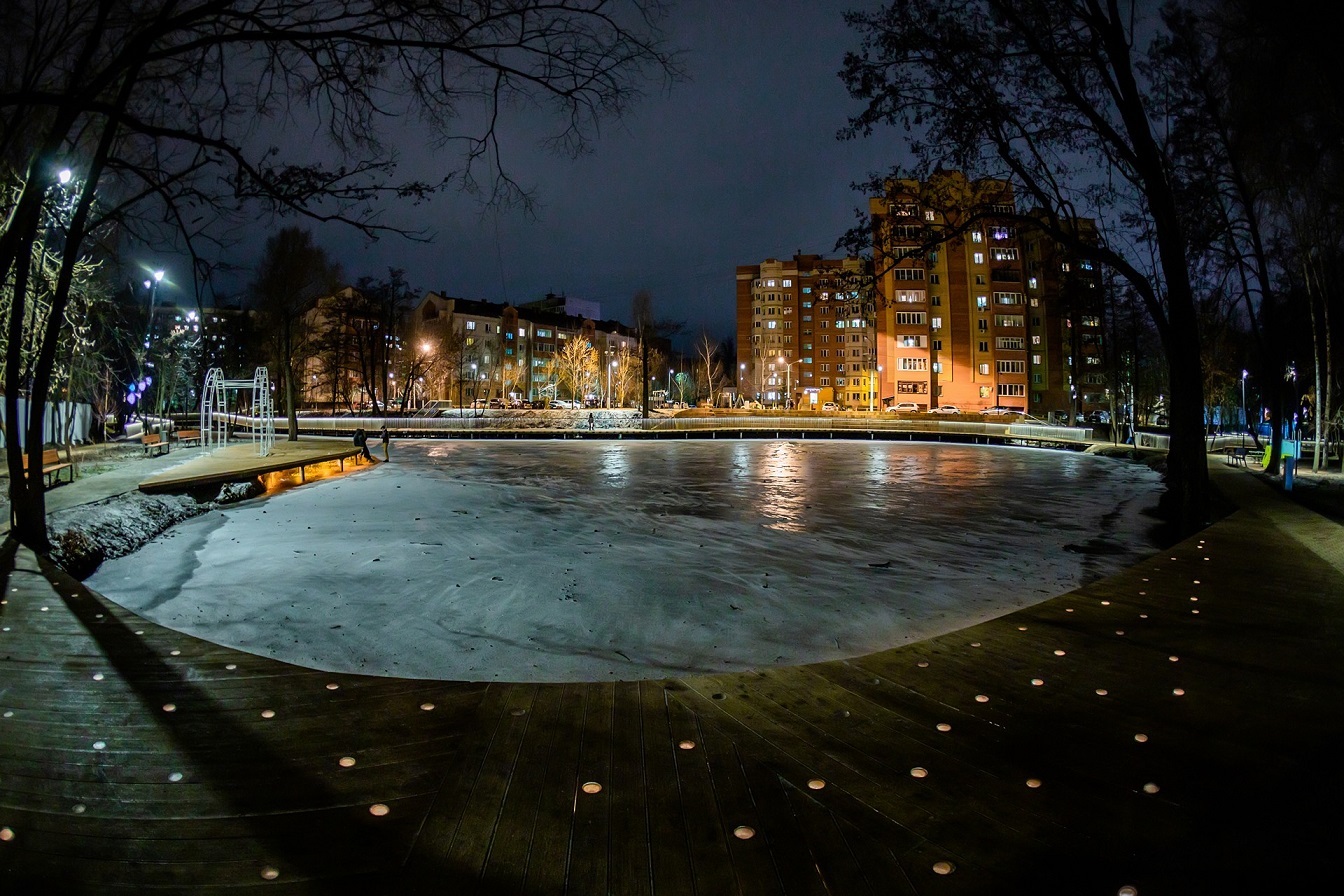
238	462
1174	728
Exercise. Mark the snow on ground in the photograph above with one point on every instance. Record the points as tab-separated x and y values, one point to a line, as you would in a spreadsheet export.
563	561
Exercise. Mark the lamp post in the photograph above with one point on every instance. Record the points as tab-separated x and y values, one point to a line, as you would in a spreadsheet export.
872	387
153	286
1245	417
610	368
788	380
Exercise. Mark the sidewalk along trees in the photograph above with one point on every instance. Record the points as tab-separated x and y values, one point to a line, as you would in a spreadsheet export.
293	274
165	111
1048	94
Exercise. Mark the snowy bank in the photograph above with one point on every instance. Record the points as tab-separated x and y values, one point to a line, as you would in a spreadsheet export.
85	536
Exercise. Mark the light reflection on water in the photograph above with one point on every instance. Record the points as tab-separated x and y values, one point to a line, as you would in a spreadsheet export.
856	493
780	495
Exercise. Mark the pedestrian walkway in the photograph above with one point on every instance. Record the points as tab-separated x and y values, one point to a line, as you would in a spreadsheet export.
1171	729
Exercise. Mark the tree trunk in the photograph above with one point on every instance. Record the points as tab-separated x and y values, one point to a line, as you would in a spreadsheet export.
1316	368
644	371
292	407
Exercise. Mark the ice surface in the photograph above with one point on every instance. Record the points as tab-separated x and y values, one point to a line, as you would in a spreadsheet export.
567	561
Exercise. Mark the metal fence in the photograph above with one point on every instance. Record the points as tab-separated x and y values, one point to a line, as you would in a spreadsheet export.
560	424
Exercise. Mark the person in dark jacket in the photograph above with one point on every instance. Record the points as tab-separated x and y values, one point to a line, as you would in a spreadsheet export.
362	443
386	439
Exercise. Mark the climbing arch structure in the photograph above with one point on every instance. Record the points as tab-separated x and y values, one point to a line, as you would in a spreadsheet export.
220	406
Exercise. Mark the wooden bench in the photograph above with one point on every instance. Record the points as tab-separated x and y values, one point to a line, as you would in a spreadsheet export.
51	464
1235	456
189	435
153	442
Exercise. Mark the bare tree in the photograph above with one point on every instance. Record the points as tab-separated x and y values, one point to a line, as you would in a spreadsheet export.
650	331
160	108
1053	98
708	366
293	274
576	366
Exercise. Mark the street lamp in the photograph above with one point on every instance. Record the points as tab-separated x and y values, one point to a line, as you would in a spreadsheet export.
1245	417
153	286
872	386
788	380
610	368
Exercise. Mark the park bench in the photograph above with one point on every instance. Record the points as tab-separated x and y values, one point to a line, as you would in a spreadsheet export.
1235	456
153	442
189	435
51	464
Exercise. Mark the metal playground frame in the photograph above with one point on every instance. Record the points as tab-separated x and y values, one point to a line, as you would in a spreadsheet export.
216	413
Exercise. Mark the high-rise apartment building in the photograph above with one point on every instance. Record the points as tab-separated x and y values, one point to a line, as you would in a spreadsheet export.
996	314
967	302
805	333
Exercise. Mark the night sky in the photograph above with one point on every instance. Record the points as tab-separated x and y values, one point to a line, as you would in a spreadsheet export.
737	164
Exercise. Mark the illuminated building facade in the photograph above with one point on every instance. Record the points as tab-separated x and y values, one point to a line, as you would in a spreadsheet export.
805	333
996	314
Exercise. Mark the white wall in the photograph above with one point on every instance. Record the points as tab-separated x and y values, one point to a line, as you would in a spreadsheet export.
54	426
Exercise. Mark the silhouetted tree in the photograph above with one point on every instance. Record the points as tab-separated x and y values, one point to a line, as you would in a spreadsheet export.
293	274
157	107
1049	94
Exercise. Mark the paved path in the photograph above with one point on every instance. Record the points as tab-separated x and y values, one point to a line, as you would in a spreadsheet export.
1173	728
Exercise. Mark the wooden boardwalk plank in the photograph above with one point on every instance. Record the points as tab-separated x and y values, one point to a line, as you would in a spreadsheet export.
669	853
630	833
507	859
705	836
783	837
461	822
548	855
589	843
752	864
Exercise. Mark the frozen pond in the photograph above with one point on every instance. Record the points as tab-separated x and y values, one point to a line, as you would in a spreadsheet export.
566	561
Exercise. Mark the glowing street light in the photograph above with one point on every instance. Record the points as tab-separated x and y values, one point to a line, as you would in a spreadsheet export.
788	379
1245	416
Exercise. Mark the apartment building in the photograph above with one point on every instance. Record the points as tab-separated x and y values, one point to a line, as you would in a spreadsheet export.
996	314
968	302
505	352
805	332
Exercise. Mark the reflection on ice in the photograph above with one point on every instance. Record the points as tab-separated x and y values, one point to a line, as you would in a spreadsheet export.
779	494
554	561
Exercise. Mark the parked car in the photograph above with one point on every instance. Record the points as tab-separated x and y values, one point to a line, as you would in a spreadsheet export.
563	404
1000	410
903	407
1099	417
946	409
830	406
